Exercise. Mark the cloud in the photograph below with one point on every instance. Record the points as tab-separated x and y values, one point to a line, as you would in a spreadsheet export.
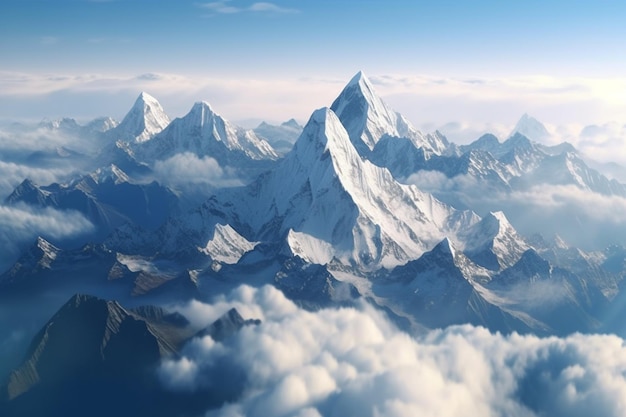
584	218
463	109
186	168
352	361
226	7
12	174
21	224
91	95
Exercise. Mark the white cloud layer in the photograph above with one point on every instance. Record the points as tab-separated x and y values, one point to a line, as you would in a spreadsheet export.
186	169
579	110
12	174
349	361
585	219
21	224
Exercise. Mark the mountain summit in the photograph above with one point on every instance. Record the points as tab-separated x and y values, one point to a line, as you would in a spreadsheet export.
144	120
333	202
532	128
368	119
203	132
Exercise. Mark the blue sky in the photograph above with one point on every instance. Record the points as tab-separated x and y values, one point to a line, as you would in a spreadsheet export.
316	37
88	58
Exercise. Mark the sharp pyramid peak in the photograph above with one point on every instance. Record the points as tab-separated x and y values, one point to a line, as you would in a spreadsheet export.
498	220
530	127
323	127
203	108
445	246
499	216
359	78
144	120
365	116
147	103
144	96
202	104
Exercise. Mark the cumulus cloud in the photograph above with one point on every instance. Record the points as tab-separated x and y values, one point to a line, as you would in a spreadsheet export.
186	168
21	224
352	361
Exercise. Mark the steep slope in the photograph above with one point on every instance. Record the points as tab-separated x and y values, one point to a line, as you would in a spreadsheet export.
107	197
227	246
531	128
94	357
280	137
557	297
493	242
325	190
144	120
86	339
205	133
367	119
442	288
226	325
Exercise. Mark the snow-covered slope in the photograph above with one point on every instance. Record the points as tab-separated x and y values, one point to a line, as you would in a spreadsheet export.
205	133
325	190
367	119
531	128
227	246
144	120
441	288
280	137
493	242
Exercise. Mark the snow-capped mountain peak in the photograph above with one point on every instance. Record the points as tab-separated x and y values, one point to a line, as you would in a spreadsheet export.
144	120
326	195
446	246
204	132
110	173
531	128
367	119
494	243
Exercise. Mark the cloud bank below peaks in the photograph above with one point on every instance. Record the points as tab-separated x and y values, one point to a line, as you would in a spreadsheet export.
21	224
352	361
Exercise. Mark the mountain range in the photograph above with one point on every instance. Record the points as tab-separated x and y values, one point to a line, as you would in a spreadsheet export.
355	205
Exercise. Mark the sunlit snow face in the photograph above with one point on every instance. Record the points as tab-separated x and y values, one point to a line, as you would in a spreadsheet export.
352	361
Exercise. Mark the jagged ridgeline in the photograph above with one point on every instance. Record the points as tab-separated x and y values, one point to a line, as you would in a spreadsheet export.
355	206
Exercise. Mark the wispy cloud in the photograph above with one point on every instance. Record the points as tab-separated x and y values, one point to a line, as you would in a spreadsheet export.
475	106
21	224
600	220
228	7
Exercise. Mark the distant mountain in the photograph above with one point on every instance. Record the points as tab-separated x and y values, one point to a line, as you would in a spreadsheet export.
227	325
440	289
281	137
203	132
144	120
531	128
107	197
